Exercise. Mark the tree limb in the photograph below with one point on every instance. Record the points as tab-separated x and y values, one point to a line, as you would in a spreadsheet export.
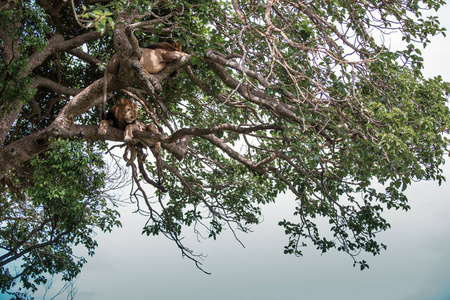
40	81
195	131
84	56
58	44
285	110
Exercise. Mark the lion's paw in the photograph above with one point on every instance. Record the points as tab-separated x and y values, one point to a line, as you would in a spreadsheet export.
103	127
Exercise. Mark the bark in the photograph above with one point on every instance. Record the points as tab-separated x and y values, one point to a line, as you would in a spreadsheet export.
84	56
6	121
79	104
40	81
58	44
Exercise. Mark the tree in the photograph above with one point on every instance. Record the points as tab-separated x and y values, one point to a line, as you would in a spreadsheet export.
273	97
51	204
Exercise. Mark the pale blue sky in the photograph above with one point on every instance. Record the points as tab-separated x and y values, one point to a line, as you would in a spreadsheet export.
416	265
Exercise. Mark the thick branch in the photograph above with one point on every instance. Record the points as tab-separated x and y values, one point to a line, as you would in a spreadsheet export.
22	150
79	104
285	110
148	83
225	62
84	56
194	131
172	67
57	44
40	81
7	120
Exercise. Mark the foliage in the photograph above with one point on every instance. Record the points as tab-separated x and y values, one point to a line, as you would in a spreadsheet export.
301	97
61	206
31	35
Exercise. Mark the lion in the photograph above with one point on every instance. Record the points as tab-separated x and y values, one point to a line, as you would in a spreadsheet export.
153	59
175	46
123	115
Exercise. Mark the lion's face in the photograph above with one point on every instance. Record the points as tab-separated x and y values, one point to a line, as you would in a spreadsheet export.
125	111
177	46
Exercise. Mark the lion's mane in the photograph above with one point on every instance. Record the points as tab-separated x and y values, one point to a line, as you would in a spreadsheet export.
123	113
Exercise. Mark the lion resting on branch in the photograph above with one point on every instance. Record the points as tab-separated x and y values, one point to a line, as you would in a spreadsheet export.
153	59
123	115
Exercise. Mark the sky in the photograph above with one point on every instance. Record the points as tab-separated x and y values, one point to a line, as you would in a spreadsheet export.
415	266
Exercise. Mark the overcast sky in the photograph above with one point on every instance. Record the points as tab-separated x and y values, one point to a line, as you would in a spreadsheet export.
415	266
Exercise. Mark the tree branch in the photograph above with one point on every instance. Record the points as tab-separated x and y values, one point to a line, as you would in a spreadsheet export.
225	62
79	104
285	110
195	131
84	56
58	44
235	155
40	81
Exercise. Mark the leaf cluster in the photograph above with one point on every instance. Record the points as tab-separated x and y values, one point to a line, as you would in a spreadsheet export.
61	206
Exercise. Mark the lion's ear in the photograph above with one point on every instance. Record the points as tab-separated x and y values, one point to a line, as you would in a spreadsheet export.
120	102
134	105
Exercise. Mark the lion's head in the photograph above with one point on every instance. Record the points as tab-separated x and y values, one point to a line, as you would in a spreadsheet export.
176	46
125	112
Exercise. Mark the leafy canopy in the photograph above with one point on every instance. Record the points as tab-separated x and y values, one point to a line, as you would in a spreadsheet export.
299	97
60	206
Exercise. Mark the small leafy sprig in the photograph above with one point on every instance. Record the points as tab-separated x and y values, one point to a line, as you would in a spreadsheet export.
97	17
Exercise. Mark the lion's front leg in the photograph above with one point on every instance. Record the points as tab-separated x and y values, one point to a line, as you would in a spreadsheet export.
103	127
129	132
